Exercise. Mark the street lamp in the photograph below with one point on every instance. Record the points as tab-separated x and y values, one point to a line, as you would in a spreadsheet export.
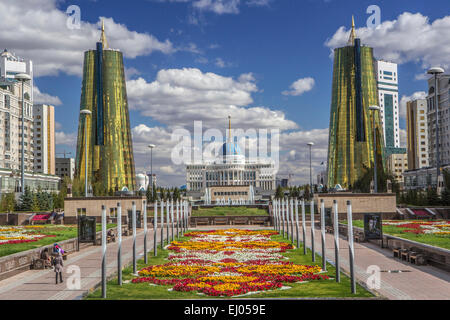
85	112
435	71
375	184
310	144
23	77
151	146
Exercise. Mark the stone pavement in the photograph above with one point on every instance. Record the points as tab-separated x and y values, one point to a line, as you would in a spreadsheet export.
413	283
416	282
40	284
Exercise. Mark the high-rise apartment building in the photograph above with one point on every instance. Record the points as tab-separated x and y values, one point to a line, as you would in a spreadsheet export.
387	84
354	90
11	113
444	119
11	129
109	149
44	138
417	134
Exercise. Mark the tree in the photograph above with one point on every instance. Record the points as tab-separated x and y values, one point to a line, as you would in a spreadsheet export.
432	197
279	194
8	202
176	194
307	193
26	200
149	194
155	193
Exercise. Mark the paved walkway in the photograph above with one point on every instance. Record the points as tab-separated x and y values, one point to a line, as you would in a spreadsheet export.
40	284
413	283
417	282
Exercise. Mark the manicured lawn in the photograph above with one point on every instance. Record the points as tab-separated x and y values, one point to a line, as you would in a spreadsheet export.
442	241
228	211
316	289
60	232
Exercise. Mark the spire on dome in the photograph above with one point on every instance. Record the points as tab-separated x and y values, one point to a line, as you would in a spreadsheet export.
351	39
103	36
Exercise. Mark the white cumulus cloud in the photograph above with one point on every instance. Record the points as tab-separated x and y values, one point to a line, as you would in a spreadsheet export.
182	96
300	86
37	30
45	98
412	37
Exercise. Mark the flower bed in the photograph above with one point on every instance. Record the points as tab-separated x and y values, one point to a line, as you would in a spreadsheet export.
228	263
439	227
20	234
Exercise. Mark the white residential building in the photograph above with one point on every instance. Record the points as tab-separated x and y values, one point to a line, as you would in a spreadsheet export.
11	129
11	113
44	138
387	83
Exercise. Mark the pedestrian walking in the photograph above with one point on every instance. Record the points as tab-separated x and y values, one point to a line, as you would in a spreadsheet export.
58	265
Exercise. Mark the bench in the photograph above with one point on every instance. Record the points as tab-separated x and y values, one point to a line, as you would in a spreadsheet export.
259	221
358	237
329	229
396	252
202	221
404	254
221	221
241	221
417	258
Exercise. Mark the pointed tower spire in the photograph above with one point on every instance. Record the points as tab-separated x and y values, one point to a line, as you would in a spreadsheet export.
229	128
103	36
351	39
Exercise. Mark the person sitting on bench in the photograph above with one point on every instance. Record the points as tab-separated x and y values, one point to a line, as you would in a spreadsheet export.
46	257
111	235
58	249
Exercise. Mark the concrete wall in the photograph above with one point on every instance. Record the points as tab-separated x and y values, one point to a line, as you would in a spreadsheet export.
16	219
385	203
93	205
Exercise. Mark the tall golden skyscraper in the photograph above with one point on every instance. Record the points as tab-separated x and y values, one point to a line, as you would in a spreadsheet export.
350	145
109	149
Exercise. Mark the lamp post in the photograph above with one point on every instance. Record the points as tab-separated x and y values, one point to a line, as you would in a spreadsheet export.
151	146
435	71
310	168
85	112
23	77
375	184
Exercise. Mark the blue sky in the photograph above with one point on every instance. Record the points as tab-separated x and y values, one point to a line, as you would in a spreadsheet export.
273	43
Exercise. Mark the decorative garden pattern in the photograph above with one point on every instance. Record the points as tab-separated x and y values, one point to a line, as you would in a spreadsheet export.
228	263
439	227
20	234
